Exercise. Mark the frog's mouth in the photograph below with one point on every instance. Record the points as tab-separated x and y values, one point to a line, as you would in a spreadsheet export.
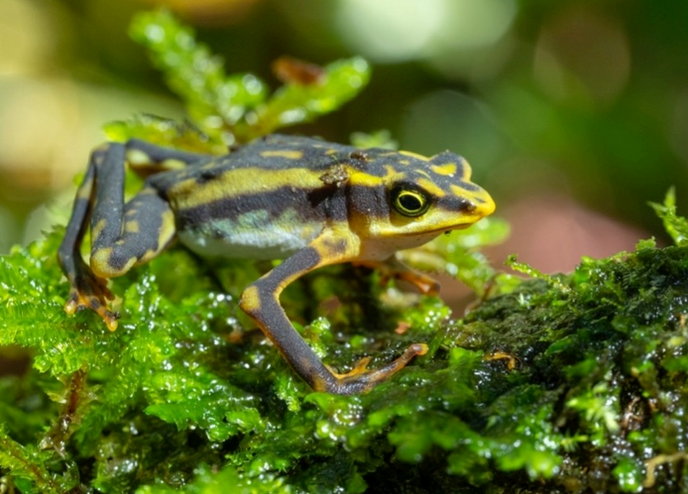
438	231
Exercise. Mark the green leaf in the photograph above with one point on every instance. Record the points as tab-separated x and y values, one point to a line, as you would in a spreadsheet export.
209	481
629	474
296	103
215	101
28	466
201	400
378	139
233	108
676	226
457	254
163	132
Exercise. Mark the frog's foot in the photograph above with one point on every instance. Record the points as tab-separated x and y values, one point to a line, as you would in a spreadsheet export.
91	292
425	284
360	379
393	268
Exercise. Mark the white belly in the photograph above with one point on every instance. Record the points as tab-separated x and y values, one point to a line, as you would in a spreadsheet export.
250	236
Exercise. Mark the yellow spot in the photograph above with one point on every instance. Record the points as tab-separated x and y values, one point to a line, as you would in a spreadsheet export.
510	360
448	169
328	248
431	187
110	322
290	154
330	152
336	245
250	300
357	177
131	226
391	171
98	229
167	229
147	256
136	157
85	189
100	264
172	164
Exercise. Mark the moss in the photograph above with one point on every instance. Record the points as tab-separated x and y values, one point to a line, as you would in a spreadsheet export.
569	383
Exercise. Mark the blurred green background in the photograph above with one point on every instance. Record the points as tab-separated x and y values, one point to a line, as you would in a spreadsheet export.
573	114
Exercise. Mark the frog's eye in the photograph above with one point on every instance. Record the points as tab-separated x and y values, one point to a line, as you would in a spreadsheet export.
409	201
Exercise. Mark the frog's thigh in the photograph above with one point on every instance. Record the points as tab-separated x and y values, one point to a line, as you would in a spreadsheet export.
146	229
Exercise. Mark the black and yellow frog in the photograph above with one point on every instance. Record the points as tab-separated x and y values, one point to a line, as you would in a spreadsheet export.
304	200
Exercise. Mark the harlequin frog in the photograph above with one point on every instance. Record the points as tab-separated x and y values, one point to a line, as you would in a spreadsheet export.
304	200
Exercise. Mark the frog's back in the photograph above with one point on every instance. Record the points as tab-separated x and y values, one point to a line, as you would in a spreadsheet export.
265	200
282	151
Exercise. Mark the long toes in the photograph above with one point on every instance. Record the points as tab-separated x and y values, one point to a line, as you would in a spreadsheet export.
361	380
92	293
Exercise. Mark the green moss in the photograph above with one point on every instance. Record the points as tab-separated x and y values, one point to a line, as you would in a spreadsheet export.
569	383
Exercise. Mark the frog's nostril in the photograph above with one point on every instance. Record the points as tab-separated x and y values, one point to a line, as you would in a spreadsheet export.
467	206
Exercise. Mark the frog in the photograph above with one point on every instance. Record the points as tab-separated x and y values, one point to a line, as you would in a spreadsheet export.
302	200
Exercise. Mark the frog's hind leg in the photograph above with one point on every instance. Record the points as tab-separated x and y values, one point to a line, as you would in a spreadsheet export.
87	290
120	242
261	301
122	235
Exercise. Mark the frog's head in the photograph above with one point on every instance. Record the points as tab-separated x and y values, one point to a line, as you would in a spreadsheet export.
411	198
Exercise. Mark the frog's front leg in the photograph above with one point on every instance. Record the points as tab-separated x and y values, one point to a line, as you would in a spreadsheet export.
394	268
261	301
122	235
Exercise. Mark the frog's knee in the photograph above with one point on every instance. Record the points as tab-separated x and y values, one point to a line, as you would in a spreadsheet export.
250	300
106	263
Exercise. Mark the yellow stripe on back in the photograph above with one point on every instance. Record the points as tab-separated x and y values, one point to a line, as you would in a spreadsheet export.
251	180
290	154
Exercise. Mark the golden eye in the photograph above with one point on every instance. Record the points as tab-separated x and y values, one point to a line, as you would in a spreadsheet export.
409	202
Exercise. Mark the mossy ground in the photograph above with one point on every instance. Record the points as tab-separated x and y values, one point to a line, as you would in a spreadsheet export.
571	383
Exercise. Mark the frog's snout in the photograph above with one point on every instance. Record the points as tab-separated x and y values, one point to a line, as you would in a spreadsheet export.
484	205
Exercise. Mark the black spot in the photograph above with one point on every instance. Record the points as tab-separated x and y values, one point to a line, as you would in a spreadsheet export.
459	204
208	175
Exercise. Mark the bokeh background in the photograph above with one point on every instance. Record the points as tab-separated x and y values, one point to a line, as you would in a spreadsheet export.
573	113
